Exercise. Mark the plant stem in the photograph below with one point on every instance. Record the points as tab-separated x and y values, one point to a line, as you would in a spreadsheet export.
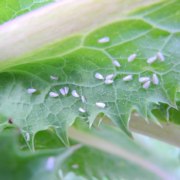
169	133
59	20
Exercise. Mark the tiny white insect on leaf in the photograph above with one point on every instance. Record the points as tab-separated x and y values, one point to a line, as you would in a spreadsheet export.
81	110
155	79
75	94
66	89
30	91
62	91
146	85
83	99
75	166
109	81
144	79
53	77
99	76
131	57
160	56
136	114
151	59
53	94
116	63
100	104
50	164
103	40
109	77
27	137
128	78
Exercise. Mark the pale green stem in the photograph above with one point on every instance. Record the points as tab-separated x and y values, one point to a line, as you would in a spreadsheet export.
59	20
169	133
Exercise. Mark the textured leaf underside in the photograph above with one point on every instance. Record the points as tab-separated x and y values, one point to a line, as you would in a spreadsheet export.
76	60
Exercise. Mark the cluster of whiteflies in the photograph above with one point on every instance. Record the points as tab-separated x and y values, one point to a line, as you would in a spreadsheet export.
108	80
145	80
64	91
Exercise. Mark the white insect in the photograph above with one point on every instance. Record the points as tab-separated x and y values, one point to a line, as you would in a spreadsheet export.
100	104
83	99
75	166
146	85
50	164
99	76
144	79
62	91
109	77
103	40
128	78
66	89
53	77
75	94
27	137
30	91
116	63
131	57
109	81
155	79
160	56
81	110
151	59
136	114
53	94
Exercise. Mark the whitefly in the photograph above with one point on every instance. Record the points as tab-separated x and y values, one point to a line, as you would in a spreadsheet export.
143	79
62	91
127	78
30	91
100	104
99	76
75	94
53	77
50	163
83	99
66	90
131	57
160	56
103	40
155	79
53	94
146	85
27	137
108	81
81	110
116	63
151	59
109	77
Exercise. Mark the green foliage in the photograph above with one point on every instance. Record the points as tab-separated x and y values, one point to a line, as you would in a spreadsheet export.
16	164
75	61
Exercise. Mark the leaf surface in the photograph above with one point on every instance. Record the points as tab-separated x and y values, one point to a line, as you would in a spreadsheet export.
77	59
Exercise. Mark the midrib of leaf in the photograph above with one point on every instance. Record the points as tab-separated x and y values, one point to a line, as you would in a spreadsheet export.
27	33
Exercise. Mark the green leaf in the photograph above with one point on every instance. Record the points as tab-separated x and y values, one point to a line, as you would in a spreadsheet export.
19	165
76	59
10	9
93	162
132	161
